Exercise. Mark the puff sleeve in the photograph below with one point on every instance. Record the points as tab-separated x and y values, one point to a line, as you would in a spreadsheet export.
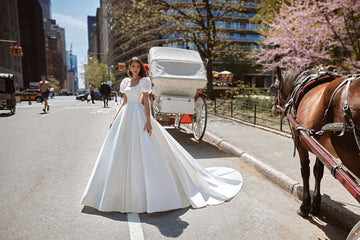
123	84
145	84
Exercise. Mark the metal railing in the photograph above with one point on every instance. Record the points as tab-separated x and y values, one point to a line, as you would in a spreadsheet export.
252	114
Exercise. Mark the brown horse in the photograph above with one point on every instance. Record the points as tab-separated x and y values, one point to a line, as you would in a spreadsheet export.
329	99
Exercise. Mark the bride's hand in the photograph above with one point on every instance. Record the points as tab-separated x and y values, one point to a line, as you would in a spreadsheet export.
148	128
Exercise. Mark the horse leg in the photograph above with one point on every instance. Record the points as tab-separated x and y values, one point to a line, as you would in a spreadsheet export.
305	173
318	173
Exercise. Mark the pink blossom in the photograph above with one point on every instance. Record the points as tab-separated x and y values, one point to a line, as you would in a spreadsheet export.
307	33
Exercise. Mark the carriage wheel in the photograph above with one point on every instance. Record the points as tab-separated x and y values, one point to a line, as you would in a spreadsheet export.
354	233
199	118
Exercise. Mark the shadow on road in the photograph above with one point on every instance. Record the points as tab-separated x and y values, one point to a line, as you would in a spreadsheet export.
169	223
332	212
6	114
197	149
117	216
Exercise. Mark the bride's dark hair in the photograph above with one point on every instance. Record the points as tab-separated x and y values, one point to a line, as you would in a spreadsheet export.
142	72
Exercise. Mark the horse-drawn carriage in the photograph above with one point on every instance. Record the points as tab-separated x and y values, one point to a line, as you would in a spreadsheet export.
178	76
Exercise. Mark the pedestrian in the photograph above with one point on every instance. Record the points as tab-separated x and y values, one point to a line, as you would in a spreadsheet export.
92	92
142	168
44	87
105	92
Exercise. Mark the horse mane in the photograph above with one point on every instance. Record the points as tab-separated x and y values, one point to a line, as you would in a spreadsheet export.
290	78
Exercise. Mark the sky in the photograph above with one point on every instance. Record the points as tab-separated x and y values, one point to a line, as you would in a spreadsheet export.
72	15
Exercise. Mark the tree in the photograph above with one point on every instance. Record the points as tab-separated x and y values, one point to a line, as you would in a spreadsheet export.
195	22
54	84
268	9
205	34
95	72
309	33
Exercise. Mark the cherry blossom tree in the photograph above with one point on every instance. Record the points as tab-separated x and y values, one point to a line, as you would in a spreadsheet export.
309	33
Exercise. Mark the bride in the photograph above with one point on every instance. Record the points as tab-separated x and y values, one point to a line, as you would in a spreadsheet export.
142	168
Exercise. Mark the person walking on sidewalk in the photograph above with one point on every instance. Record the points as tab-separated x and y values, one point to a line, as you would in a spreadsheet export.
92	92
44	87
105	92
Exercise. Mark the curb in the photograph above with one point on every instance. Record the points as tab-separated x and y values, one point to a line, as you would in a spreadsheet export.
329	209
279	178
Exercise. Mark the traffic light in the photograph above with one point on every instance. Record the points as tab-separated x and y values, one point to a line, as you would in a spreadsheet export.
20	52
12	51
16	51
121	66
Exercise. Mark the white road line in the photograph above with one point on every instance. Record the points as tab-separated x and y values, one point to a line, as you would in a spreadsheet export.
50	113
135	229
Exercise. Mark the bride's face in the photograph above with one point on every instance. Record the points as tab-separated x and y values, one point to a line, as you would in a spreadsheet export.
135	68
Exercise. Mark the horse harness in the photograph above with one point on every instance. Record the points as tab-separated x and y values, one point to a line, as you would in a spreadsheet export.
304	83
348	122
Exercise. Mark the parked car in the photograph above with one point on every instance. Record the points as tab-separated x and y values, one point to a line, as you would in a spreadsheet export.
84	96
35	95
65	93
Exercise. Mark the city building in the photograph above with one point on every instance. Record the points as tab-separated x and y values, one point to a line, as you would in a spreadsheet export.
10	36
46	8
32	42
55	51
72	81
104	33
99	36
91	20
55	47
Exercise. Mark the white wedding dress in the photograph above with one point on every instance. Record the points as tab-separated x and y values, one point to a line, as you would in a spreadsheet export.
139	173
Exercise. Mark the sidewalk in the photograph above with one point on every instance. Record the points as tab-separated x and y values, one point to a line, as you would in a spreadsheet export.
272	153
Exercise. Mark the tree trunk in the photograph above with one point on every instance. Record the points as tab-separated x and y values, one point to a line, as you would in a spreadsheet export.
209	76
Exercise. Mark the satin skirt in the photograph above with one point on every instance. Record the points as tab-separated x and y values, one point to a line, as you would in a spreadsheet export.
137	173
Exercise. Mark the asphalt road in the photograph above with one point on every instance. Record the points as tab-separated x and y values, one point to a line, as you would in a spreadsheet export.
46	161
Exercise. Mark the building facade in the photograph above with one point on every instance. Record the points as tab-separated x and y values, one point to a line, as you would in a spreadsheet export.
72	81
55	51
91	20
46	8
99	37
32	41
10	36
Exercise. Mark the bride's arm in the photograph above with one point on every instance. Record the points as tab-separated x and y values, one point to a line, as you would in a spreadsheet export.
148	126
123	103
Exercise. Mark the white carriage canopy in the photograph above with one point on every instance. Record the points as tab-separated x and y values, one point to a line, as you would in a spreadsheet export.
176	63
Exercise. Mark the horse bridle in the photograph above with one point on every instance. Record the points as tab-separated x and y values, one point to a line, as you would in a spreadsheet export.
275	89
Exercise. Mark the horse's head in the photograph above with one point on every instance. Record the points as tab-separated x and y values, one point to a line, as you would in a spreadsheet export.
282	87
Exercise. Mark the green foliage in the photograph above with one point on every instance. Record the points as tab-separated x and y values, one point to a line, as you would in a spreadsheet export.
246	95
268	9
54	83
261	101
96	72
